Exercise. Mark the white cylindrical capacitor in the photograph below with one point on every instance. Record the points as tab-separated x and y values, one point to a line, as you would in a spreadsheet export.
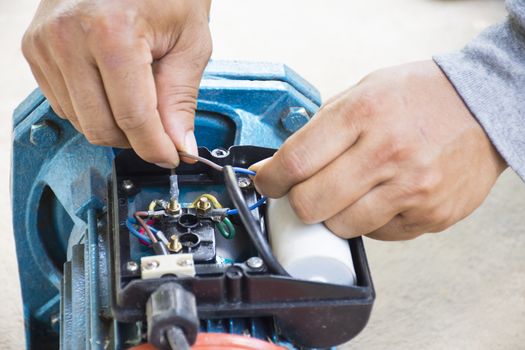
309	252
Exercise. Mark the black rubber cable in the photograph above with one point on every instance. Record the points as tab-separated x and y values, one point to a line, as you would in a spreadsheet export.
251	225
176	339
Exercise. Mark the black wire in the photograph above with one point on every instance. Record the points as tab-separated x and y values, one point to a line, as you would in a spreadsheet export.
251	225
176	339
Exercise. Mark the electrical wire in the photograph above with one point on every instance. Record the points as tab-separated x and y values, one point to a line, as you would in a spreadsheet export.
220	168
146	228
201	159
214	201
214	165
243	171
251	207
252	227
226	228
134	232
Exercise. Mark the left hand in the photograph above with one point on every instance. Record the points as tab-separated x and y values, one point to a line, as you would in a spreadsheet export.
393	157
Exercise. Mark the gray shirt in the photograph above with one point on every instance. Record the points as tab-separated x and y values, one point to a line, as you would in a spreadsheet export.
489	75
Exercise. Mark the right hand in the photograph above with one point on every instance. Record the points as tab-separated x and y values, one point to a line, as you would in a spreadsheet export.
123	72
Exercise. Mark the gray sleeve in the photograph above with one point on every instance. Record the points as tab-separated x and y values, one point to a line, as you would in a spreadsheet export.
489	75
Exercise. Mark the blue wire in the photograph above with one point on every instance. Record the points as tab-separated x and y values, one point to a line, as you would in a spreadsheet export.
256	204
243	171
134	221
134	232
251	207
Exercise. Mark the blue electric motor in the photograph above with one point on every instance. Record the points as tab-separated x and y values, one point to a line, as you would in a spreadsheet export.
65	233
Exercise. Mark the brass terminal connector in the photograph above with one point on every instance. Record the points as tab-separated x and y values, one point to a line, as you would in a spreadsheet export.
174	244
203	205
173	207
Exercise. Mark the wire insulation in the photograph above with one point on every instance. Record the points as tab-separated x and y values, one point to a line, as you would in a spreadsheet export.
252	227
214	165
251	207
134	232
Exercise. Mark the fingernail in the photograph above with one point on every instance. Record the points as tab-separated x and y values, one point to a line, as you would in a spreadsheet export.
256	166
190	143
165	165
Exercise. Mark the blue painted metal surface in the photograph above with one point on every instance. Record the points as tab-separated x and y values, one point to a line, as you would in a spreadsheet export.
59	188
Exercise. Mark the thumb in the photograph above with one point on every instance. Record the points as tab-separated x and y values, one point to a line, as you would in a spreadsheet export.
177	78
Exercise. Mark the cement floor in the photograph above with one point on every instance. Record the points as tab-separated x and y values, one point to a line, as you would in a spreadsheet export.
461	289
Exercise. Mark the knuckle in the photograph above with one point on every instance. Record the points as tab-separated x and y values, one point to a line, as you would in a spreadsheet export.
438	219
55	32
179	99
101	137
367	103
293	162
409	230
204	50
426	183
27	46
302	205
131	121
337	225
397	148
106	22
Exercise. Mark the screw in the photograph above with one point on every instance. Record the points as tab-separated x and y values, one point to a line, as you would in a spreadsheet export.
295	118
132	266
128	185
44	133
244	182
54	319
255	262
185	262
220	153
174	244
151	265
203	205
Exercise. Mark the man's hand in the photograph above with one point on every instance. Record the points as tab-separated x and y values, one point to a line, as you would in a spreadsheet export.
123	72
393	157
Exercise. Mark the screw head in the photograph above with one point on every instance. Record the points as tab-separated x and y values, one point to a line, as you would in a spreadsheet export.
132	266
220	153
54	320
203	205
244	182
295	118
151	265
255	262
128	185
44	133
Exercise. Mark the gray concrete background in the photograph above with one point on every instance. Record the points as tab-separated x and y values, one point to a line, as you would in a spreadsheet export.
461	289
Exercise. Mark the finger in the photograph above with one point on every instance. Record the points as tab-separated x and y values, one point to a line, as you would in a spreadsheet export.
177	77
47	91
371	212
334	129
256	166
394	230
36	50
339	184
90	102
29	50
125	67
56	81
